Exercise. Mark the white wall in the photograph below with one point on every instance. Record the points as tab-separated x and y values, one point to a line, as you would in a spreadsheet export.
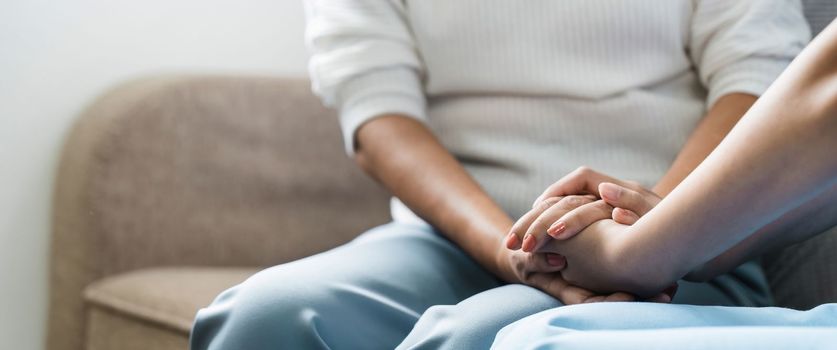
55	56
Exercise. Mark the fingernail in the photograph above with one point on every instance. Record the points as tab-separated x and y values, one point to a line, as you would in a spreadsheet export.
555	259
512	241
556	229
609	190
529	243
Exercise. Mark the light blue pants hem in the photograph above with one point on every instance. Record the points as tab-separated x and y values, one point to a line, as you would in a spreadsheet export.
396	286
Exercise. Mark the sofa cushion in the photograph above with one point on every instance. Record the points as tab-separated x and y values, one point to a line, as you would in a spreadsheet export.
108	330
160	297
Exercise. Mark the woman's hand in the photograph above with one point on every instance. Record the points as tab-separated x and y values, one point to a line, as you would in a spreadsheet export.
530	229
596	260
542	270
593	256
629	199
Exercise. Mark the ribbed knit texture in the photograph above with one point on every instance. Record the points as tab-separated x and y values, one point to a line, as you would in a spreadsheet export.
524	92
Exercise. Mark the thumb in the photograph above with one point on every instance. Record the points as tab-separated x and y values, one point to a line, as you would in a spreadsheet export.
626	198
549	262
624	216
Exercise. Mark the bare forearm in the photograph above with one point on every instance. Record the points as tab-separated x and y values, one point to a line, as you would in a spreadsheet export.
777	158
807	220
718	121
404	156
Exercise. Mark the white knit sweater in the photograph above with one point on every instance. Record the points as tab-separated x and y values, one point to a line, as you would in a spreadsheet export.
522	92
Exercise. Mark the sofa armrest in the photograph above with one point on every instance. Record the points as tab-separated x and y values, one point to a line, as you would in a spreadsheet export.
209	171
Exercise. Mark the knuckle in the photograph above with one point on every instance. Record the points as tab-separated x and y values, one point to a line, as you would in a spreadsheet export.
547	203
571	201
538	226
574	201
532	264
601	205
583	170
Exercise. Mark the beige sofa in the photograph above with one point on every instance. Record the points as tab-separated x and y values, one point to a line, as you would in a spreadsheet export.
172	189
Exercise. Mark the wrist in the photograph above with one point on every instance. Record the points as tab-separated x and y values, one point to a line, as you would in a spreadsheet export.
486	245
502	265
492	253
643	272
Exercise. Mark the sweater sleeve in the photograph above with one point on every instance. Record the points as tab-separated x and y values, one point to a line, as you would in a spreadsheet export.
743	45
364	61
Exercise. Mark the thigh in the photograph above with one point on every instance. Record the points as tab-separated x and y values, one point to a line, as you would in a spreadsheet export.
473	322
367	293
746	285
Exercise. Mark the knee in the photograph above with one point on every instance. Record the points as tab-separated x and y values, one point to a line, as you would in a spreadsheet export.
447	327
473	323
272	308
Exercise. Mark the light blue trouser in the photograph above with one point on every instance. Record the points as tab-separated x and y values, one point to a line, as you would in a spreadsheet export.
398	285
647	326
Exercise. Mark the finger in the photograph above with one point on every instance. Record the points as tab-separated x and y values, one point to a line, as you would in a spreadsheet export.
580	181
583	181
575	295
555	261
555	285
624	216
623	197
514	240
620	296
660	298
535	236
549	283
577	220
671	290
594	299
666	296
545	262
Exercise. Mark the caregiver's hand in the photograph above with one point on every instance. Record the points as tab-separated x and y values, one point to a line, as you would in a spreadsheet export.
542	270
628	206
595	261
629	199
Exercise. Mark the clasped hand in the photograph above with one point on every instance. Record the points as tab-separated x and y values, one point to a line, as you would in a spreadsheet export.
577	226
